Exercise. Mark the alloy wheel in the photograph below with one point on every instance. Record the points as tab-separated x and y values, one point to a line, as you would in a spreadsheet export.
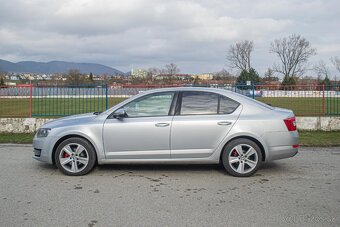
243	158
74	157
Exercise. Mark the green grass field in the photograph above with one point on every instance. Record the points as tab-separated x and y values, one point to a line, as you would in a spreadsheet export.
306	106
56	107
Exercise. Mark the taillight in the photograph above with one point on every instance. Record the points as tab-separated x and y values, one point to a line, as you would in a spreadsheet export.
290	123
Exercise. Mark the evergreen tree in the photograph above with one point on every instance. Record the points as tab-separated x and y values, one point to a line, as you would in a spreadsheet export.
289	80
2	81
326	81
245	76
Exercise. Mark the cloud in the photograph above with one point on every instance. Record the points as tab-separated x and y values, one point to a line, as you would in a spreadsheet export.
143	33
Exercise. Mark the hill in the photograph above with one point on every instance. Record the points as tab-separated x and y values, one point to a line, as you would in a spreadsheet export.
56	67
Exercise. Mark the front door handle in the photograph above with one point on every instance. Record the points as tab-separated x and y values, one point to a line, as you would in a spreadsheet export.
162	124
224	123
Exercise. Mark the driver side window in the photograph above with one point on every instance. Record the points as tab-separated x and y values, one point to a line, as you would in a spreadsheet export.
152	105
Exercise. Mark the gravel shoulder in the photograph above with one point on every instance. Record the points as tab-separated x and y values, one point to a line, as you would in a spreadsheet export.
300	191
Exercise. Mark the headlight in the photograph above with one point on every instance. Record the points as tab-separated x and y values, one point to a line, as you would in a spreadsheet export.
43	132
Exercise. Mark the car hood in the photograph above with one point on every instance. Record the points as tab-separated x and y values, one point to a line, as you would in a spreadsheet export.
70	120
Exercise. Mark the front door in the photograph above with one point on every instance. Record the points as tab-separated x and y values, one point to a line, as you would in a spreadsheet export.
144	133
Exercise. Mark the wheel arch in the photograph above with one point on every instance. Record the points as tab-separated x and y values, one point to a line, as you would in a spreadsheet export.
63	138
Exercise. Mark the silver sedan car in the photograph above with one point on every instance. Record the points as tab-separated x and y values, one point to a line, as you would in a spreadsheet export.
172	126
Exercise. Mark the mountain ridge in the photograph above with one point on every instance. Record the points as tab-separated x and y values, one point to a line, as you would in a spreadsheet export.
55	66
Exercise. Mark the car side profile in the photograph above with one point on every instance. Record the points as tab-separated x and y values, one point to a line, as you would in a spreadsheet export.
172	126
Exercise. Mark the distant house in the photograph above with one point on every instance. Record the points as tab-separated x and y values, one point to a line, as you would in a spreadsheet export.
139	73
10	83
14	77
204	76
97	78
173	76
271	83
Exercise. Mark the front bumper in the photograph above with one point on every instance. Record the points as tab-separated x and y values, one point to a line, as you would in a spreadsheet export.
42	149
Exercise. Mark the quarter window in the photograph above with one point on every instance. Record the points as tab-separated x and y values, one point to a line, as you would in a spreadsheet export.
227	105
150	105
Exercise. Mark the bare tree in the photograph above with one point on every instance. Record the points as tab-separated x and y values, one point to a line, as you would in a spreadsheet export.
172	69
294	52
105	78
321	70
336	63
152	72
74	77
269	76
239	55
223	75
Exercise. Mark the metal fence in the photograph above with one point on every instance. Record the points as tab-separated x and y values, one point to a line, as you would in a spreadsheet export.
68	100
16	101
304	100
56	101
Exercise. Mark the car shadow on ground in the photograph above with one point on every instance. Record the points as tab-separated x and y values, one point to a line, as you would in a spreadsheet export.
272	167
46	166
160	167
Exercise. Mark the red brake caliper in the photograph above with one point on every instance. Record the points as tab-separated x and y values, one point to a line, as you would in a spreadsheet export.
66	155
235	154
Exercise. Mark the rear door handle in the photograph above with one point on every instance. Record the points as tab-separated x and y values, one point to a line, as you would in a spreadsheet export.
162	124
224	123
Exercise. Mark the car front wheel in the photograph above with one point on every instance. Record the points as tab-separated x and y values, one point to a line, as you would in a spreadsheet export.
241	157
75	157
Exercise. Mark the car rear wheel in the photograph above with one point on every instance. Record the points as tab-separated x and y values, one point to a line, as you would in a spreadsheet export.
75	157
241	157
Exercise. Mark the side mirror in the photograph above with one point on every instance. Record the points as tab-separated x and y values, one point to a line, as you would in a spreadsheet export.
118	114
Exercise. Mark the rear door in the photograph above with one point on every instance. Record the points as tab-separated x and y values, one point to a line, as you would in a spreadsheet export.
202	119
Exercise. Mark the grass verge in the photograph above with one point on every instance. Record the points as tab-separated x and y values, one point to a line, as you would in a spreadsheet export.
19	138
319	138
307	138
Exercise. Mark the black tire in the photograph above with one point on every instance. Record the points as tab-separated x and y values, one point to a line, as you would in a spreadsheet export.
227	153
90	155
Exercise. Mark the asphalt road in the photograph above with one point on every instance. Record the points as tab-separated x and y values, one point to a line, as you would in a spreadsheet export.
301	191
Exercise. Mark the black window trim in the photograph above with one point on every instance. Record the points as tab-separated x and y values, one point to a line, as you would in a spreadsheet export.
179	103
173	105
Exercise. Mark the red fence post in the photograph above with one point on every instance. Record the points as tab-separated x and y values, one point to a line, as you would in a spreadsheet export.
323	99
31	100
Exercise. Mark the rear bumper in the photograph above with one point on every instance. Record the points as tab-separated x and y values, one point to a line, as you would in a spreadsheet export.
281	152
281	144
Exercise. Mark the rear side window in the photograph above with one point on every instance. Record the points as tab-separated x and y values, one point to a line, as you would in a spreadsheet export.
196	102
227	105
205	103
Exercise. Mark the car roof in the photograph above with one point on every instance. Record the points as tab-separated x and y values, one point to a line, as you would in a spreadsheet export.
231	94
208	89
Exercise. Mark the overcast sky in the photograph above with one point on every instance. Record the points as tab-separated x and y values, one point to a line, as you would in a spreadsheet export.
143	33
